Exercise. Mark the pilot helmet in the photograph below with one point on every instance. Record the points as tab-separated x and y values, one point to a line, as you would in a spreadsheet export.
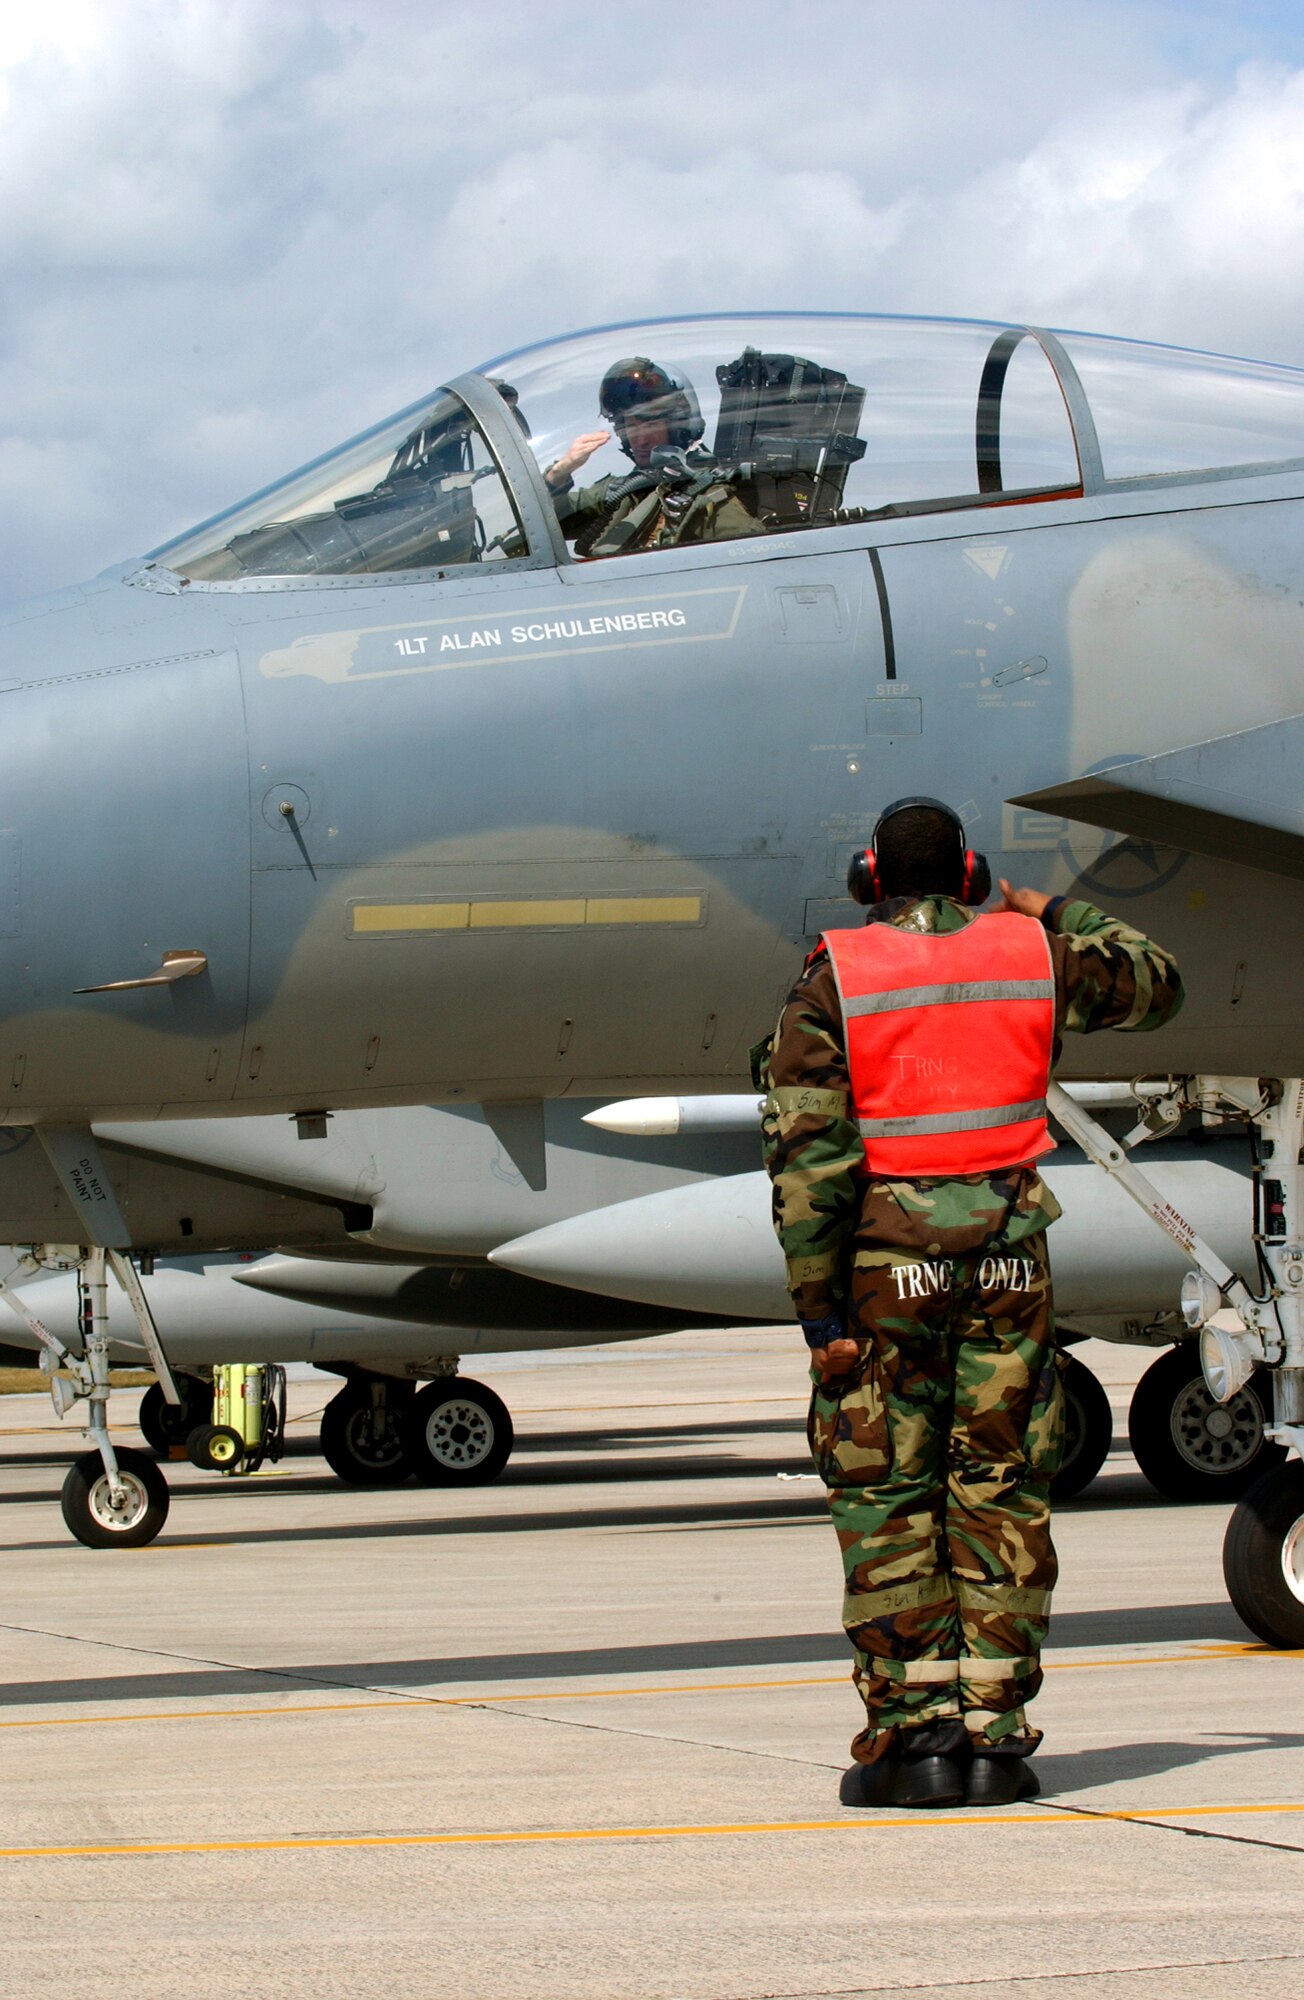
654	391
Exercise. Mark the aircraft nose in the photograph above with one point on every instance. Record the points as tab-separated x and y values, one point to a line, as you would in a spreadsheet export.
123	836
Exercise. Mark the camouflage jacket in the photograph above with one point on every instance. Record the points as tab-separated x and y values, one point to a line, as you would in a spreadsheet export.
650	517
825	1203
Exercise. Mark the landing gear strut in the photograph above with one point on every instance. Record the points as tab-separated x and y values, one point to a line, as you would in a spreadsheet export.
362	1431
1241	1329
111	1499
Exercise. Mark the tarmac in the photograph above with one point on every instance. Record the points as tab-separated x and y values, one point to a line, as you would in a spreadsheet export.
577	1735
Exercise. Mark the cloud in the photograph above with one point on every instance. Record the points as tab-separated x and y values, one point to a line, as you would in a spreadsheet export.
234	234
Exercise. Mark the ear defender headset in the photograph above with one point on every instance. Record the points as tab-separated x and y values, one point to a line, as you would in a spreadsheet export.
865	881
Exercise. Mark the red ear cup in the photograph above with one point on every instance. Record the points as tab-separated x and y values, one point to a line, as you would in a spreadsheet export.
863	879
977	883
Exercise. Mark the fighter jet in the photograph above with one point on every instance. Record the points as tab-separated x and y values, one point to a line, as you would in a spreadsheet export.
425	774
576	1226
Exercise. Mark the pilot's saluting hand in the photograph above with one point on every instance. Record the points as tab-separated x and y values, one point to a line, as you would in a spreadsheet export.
571	460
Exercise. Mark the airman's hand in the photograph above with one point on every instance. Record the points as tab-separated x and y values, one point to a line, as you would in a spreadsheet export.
1026	902
571	460
838	1358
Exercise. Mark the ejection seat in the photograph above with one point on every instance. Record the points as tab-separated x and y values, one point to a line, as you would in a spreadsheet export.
787	432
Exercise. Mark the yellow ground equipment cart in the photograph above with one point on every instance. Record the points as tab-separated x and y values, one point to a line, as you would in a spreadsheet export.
248	1422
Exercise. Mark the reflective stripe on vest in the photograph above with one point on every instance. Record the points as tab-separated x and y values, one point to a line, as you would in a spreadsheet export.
953	1121
949	1041
950	996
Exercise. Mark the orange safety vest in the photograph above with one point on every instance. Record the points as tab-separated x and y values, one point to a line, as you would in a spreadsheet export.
949	1043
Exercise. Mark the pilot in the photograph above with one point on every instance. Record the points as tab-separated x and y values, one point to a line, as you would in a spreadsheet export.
681	497
906	1112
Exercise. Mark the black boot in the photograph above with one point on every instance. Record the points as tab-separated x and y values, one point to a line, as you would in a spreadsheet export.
871	1784
932	1768
996	1778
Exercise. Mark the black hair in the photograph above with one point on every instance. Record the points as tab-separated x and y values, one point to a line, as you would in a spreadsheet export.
919	854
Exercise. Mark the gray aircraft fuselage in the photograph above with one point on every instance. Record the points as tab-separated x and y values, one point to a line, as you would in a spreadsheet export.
568	827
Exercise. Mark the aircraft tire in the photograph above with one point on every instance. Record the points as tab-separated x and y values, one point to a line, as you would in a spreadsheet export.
457	1433
163	1424
1088	1430
355	1448
215	1447
1190	1447
1263	1556
88	1510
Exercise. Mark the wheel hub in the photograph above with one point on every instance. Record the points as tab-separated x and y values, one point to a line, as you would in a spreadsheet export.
459	1433
1292	1560
1216	1437
374	1437
129	1509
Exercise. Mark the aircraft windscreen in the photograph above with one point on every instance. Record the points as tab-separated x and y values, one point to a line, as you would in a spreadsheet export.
785	421
1170	410
418	491
694	430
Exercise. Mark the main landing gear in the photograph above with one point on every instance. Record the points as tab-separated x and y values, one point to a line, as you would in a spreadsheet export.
111	1499
379	1432
166	1426
1251	1338
1088	1430
1192	1447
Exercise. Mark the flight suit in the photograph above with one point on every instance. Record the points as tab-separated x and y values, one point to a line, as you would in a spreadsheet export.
938	1445
623	513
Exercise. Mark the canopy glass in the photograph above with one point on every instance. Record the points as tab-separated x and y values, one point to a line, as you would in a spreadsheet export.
680	431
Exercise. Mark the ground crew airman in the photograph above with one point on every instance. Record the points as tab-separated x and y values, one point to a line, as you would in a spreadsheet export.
905	1113
683	497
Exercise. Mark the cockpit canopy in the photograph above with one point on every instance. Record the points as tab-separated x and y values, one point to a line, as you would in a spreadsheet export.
798	421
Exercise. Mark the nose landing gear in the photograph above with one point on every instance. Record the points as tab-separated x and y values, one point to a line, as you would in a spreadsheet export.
104	1518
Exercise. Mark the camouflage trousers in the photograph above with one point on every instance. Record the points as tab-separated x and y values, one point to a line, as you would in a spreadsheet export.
937	1448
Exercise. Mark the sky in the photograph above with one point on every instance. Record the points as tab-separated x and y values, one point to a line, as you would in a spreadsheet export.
234	232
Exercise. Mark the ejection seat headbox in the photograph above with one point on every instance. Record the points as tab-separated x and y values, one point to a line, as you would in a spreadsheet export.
788	429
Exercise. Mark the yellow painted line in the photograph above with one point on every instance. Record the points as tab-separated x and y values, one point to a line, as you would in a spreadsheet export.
981	1818
206	1714
1209	1653
416	1702
640	1409
413	1703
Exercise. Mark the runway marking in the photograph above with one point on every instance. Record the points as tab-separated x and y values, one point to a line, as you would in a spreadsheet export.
409	1702
637	1409
980	1818
210	1714
543	1410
